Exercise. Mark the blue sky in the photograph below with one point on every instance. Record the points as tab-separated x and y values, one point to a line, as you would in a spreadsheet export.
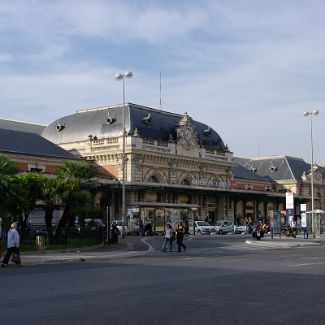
247	68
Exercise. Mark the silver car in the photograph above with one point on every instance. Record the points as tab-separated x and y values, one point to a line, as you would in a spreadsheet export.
224	226
202	228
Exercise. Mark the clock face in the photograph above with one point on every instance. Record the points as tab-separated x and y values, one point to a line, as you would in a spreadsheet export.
187	137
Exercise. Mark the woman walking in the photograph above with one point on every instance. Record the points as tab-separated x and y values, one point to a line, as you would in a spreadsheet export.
169	233
180	231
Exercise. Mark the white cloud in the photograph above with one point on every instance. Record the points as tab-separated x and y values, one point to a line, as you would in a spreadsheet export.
247	68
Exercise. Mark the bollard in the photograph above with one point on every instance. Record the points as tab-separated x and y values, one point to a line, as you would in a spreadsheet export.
40	243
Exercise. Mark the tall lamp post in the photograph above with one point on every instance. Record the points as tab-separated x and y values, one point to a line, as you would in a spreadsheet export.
311	114
122	76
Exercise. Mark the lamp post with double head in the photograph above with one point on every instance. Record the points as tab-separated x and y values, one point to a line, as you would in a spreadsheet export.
311	114
122	76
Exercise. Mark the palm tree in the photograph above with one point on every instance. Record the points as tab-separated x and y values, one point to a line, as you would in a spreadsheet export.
77	181
7	189
52	190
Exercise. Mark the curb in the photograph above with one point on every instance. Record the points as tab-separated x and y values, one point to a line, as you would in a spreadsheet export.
79	258
277	244
82	256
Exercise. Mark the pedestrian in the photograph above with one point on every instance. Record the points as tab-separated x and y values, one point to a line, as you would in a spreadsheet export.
2	238
13	241
180	231
168	238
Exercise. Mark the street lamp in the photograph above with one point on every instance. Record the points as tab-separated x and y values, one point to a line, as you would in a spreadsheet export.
122	76
306	114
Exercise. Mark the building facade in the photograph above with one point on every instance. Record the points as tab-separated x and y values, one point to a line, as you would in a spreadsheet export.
176	168
291	174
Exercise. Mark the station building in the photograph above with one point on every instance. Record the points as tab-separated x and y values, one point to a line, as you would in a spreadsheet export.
176	168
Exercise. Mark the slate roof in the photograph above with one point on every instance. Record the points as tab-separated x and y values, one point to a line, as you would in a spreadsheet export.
78	126
28	143
277	168
244	173
21	126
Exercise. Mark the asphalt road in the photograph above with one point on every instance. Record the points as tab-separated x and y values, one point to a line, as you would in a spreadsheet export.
216	281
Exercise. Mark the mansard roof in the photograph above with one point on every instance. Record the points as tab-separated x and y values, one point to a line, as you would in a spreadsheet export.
277	168
28	143
244	173
145	121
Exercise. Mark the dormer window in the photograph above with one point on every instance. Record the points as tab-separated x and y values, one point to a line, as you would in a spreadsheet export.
59	127
253	169
207	131
110	119
273	168
147	119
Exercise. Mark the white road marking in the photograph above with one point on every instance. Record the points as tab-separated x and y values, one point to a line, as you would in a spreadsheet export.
306	264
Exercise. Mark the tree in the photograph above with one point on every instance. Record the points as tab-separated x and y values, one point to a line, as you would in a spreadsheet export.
77	181
7	189
52	190
29	187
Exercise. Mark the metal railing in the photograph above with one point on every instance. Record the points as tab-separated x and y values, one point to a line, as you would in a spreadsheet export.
39	239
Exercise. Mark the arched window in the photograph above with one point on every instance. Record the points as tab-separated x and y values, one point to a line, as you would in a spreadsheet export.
185	181
153	179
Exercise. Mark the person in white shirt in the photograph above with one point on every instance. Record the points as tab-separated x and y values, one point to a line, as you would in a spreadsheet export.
169	233
13	241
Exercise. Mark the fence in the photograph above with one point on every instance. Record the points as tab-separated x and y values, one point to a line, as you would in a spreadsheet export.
68	238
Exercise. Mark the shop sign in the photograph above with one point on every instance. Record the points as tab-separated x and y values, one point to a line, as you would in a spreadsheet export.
210	183
303	207
289	200
133	210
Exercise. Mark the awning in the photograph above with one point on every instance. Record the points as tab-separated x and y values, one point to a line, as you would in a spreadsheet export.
164	205
317	211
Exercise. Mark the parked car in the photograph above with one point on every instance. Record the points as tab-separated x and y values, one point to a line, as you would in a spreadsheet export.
243	229
202	228
224	226
95	224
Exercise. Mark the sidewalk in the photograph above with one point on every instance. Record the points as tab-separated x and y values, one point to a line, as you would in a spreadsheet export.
126	247
132	246
285	242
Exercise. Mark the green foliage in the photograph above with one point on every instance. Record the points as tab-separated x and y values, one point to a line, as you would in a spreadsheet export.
71	188
8	189
31	184
76	174
78	180
7	167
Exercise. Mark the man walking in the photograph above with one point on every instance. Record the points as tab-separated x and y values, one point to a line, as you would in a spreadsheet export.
13	241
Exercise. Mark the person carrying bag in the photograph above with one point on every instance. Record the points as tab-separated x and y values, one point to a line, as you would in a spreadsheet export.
13	241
